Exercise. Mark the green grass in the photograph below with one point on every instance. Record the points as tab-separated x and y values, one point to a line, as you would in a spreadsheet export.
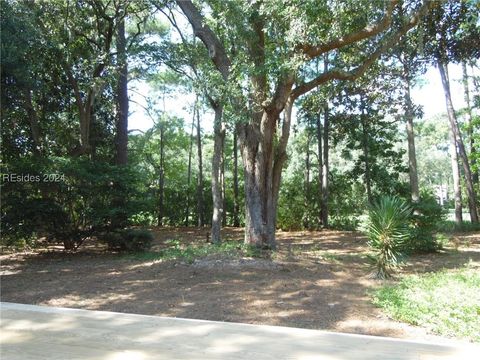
447	302
189	253
338	258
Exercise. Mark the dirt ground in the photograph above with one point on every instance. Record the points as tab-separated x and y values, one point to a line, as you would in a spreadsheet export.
317	280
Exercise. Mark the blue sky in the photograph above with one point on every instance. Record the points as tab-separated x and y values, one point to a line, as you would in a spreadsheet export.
430	96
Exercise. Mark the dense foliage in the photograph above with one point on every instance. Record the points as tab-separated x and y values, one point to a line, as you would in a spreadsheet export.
62	129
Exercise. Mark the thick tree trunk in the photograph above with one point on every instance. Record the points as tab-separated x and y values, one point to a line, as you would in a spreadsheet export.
326	168
200	203
121	140
412	158
469	122
236	205
472	202
263	163
257	158
217	181
457	192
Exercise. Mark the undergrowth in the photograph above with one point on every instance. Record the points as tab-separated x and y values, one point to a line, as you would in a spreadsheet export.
188	253
446	302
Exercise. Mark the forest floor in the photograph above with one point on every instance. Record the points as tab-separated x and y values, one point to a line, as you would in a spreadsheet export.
316	280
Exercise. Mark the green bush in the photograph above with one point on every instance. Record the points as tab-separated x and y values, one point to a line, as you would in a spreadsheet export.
291	214
426	217
88	198
131	240
24	220
387	231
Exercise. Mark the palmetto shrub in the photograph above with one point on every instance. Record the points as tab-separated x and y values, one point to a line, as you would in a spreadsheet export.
387	229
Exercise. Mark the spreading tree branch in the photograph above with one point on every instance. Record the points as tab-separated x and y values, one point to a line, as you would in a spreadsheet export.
336	74
367	32
216	50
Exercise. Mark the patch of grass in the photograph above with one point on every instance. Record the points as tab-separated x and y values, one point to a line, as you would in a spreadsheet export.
446	302
189	253
338	258
330	257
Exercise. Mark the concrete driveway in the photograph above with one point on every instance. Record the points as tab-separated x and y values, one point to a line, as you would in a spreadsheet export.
37	332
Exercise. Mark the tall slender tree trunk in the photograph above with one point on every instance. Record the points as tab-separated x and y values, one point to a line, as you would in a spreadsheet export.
85	106
189	172
222	177
469	122
200	202
161	179
320	164
366	153
326	167
121	138
457	191
236	205
412	158
306	185
472	202
34	122
121	128
217	181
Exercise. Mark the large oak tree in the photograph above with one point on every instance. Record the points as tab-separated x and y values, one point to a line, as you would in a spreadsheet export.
262	48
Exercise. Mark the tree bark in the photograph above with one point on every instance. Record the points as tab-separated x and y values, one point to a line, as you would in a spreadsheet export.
320	165
472	202
189	171
121	140
326	167
412	158
366	153
469	121
306	185
34	122
222	177
236	205
263	162
161	178
200	202
217	183
457	192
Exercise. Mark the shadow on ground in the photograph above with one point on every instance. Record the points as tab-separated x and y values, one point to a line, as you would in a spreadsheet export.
320	280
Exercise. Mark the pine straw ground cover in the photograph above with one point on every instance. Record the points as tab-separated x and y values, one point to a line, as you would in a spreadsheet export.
316	280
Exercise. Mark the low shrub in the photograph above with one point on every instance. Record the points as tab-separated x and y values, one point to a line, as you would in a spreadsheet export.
87	199
25	220
131	240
